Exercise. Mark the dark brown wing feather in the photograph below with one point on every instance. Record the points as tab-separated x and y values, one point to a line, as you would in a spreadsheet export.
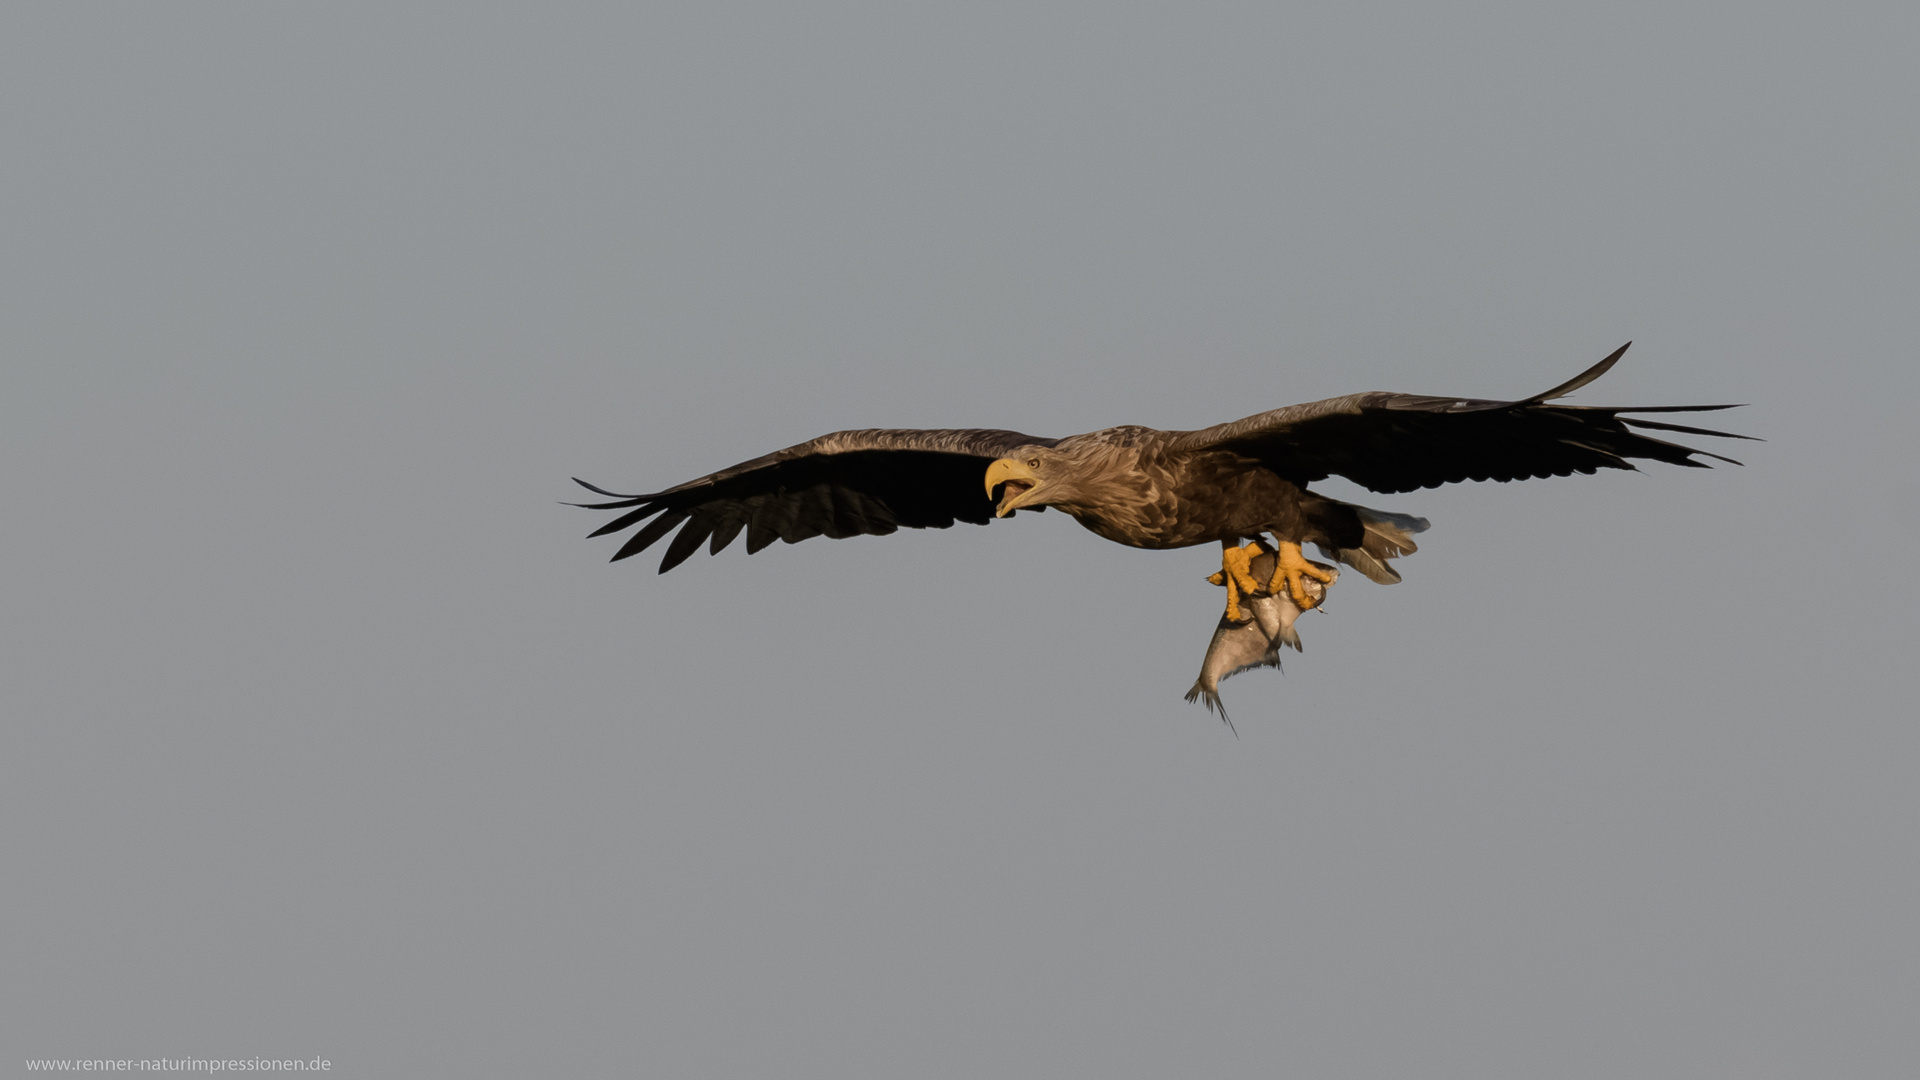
1401	442
849	483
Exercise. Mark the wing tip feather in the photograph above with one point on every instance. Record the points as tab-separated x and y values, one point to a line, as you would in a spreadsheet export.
598	490
1581	379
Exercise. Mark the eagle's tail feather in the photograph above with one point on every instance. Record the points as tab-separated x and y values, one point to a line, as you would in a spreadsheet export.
1388	536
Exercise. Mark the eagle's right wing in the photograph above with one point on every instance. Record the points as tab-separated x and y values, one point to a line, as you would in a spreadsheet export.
849	483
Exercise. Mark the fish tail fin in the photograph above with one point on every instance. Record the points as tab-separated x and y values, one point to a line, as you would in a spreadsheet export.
1206	695
1210	697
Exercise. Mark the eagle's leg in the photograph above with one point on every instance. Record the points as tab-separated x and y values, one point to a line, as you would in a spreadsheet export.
1236	573
1288	568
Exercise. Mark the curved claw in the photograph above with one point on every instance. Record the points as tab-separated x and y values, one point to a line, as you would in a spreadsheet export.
1236	573
1289	566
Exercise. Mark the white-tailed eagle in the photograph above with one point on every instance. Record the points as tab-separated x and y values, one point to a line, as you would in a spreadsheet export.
1228	484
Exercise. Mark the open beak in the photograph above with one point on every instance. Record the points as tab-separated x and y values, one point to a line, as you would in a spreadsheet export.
1019	481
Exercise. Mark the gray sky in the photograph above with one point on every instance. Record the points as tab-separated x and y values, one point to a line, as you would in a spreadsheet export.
328	735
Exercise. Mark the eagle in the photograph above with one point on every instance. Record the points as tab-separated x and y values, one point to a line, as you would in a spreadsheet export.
1243	485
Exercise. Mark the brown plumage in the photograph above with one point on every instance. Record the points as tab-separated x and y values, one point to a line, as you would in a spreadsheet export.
1159	489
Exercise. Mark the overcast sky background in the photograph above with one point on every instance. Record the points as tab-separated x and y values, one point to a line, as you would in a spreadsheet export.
327	734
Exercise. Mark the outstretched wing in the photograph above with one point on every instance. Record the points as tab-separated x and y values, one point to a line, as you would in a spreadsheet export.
1401	442
849	483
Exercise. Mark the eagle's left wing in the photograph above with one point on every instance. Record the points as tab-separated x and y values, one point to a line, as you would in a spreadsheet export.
1400	442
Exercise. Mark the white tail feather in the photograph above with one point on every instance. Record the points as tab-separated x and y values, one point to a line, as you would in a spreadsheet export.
1388	536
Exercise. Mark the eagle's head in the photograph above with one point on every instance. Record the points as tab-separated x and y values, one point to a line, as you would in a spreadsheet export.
1029	479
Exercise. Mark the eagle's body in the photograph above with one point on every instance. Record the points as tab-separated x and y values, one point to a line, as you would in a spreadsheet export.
1163	489
1132	488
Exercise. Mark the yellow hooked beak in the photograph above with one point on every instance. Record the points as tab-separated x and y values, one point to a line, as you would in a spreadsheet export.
1019	480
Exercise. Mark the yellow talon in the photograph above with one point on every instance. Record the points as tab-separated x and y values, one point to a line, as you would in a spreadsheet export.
1236	573
1289	567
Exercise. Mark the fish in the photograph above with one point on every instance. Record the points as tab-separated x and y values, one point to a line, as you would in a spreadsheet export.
1255	641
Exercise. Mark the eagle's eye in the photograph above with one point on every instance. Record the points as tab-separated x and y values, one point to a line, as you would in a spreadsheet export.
1033	463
